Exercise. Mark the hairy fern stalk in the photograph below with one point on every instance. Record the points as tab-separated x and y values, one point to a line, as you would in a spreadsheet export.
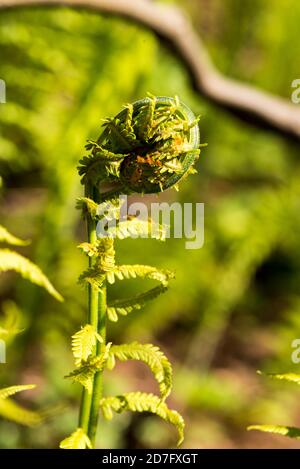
148	147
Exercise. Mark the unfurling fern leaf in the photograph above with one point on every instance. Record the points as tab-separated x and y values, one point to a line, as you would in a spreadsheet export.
291	432
93	168
104	261
103	153
87	206
7	237
103	253
142	402
125	306
89	249
10	260
121	137
146	119
143	271
93	277
77	440
137	228
147	148
83	343
105	258
85	373
98	165
12	411
149	354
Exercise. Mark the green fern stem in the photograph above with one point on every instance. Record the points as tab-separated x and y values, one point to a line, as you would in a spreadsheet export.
98	377
86	399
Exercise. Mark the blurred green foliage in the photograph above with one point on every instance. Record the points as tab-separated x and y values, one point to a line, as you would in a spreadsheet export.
234	306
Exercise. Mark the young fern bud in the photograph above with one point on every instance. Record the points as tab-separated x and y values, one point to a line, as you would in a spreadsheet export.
148	147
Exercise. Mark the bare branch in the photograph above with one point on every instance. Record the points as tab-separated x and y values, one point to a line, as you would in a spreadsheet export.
170	24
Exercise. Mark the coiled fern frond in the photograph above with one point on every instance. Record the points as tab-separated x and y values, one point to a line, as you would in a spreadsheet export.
148	147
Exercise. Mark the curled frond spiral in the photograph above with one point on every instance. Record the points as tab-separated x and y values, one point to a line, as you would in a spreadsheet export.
148	147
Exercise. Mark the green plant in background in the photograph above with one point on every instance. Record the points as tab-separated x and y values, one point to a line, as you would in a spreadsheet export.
11	260
12	411
248	182
148	147
291	432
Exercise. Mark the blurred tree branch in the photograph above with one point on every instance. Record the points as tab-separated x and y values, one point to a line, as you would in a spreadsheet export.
171	25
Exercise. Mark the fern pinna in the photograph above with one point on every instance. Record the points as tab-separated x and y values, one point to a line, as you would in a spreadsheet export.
148	147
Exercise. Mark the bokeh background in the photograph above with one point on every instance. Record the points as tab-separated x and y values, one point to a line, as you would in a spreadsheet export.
234	307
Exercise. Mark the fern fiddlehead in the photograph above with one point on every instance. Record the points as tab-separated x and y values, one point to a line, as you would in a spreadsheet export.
147	148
